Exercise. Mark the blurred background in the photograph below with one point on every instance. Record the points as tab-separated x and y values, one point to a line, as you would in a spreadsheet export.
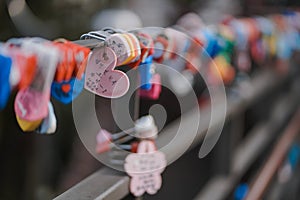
36	167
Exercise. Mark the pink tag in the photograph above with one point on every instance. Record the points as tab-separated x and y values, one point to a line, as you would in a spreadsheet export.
101	78
31	105
145	168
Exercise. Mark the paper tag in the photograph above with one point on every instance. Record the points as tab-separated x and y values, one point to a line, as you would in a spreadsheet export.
101	78
145	168
120	46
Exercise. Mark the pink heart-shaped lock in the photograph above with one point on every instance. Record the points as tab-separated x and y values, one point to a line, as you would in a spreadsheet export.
145	168
101	78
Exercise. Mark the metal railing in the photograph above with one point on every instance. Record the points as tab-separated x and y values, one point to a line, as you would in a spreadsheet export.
110	184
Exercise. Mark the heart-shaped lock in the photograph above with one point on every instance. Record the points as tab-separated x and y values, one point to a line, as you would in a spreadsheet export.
101	78
145	168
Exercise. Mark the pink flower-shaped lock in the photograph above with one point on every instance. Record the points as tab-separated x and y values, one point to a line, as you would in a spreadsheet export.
145	168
